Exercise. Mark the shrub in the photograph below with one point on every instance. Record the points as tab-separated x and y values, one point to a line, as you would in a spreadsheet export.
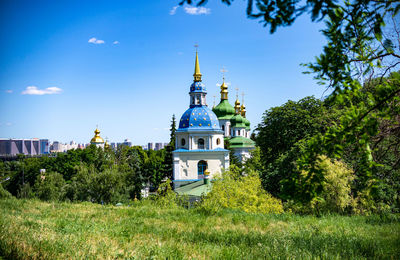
4	194
335	196
240	192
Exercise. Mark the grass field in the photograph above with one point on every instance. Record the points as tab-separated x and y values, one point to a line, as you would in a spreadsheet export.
33	229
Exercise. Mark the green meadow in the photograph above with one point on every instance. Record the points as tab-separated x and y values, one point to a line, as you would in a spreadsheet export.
31	229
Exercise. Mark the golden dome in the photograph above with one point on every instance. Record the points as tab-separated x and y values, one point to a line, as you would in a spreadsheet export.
97	139
237	106
224	90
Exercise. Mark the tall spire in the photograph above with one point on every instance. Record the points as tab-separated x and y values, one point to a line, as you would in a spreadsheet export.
197	74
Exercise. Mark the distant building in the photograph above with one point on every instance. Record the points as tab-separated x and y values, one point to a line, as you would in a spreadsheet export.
44	146
127	142
33	146
150	146
159	146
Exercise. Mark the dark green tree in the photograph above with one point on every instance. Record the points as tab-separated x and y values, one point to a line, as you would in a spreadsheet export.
169	149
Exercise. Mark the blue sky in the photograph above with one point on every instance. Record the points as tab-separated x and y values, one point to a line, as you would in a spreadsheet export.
67	66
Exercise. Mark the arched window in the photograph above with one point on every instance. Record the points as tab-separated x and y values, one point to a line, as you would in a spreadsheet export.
183	141
218	141
201	167
223	128
201	143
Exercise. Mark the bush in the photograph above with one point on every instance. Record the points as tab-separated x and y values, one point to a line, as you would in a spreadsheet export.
335	196
50	186
107	186
4	194
245	193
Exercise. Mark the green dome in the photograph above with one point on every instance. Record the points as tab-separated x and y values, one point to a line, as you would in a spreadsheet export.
238	121
240	142
224	110
247	123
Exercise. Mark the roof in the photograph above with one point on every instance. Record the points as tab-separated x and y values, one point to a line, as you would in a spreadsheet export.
241	142
238	121
200	118
194	189
198	87
224	110
200	150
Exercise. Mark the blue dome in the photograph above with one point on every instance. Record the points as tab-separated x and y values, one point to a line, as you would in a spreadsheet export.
199	118
198	87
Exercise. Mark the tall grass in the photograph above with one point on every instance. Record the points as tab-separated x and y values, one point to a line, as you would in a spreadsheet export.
31	229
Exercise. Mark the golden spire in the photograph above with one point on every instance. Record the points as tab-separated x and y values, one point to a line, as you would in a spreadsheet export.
224	87
243	107
237	102
197	74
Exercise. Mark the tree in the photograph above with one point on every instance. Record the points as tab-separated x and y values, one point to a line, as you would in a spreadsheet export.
279	132
170	148
50	186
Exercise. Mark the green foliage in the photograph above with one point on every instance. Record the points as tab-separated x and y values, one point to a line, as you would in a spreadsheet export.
50	186
335	196
166	197
4	194
245	193
279	135
168	161
357	126
108	186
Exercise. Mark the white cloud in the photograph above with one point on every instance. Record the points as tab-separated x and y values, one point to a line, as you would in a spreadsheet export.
173	10
116	42
9	91
95	41
197	10
33	90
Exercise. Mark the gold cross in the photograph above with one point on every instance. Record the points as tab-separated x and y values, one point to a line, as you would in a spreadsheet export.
223	70
242	97
196	46
237	93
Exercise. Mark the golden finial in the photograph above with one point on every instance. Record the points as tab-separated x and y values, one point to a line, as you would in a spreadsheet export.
237	102
224	87
243	107
197	74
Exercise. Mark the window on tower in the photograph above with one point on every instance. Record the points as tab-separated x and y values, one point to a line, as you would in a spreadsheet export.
201	143
183	141
223	127
218	141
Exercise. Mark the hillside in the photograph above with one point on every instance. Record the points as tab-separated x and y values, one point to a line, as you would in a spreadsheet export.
32	229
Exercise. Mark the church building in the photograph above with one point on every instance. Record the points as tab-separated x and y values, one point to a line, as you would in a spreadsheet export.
235	125
200	152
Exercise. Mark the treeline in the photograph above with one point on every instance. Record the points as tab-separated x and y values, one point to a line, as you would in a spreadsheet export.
341	154
92	174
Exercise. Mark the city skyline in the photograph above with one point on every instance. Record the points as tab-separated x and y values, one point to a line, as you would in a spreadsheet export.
127	67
